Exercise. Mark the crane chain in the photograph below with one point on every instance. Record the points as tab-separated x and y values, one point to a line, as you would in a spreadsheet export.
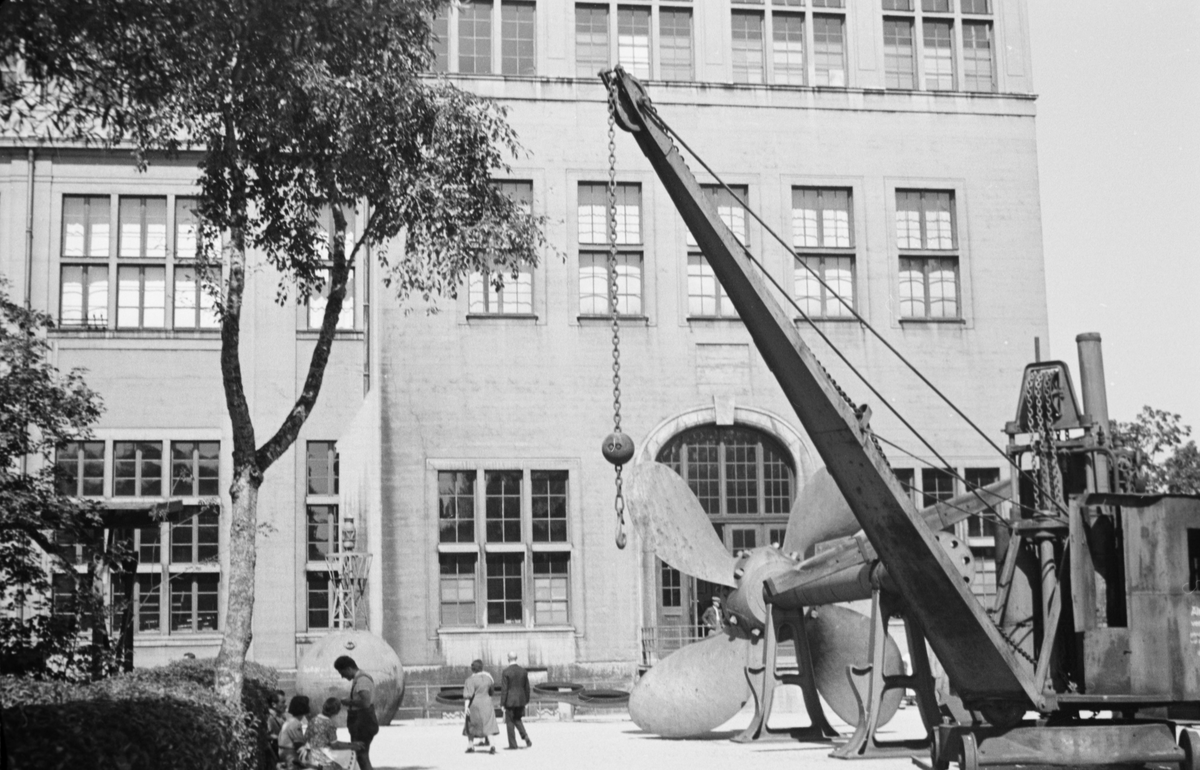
613	302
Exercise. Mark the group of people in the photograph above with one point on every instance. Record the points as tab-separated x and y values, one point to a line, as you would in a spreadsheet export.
302	742
481	710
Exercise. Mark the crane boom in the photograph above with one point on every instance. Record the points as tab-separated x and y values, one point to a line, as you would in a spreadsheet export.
980	662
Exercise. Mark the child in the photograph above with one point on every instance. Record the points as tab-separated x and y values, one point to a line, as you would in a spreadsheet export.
291	735
323	741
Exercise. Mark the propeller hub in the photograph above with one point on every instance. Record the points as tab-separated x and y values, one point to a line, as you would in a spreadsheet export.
753	569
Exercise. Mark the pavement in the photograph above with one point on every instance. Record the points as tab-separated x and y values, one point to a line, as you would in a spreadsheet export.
613	741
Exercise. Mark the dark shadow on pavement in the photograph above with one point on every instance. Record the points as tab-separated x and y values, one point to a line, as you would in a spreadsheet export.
722	735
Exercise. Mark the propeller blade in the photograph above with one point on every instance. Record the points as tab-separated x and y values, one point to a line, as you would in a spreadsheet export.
820	513
693	690
665	511
838	637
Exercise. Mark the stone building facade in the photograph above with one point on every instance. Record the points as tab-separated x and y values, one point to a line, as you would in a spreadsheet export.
890	143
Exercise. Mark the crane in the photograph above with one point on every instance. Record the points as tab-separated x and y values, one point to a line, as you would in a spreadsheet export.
1059	552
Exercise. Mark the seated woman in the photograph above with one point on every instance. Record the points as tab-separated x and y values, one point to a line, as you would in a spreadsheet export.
291	735
323	740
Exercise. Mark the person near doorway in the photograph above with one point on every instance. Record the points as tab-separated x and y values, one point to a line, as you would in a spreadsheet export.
514	697
712	620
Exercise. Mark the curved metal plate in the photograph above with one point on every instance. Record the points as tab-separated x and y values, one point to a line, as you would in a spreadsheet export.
820	513
665	511
693	690
838	638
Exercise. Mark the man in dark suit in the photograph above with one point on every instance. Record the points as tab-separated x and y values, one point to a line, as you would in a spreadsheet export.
514	696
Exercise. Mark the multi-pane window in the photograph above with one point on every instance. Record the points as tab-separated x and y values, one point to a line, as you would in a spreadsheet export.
672	585
79	469
925	234
195	468
675	44
456	588
322	529
147	602
439	40
898	52
742	539
549	503
86	226
321	460
633	39
154	264
514	295
505	589
977	57
318	301
195	540
706	296
979	526
502	506
595	273
84	295
748	63
143	228
822	234
194	601
829	50
475	37
318	591
137	468
456	506
518	30
733	471
84	287
976	6
551	588
514	568
194	304
907	478
937	485
591	40
787	48
148	542
938	38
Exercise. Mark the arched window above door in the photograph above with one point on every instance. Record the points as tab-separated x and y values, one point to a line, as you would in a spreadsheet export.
734	471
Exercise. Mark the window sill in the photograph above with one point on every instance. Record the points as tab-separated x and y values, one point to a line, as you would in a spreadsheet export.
487	317
848	319
606	320
513	629
934	321
713	319
458	548
98	332
338	334
175	638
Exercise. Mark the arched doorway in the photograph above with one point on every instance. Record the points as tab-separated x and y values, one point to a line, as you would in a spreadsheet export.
745	480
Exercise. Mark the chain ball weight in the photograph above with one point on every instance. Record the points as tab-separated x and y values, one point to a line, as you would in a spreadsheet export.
617	448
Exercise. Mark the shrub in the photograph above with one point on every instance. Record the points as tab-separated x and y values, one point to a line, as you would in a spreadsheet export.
122	723
258	691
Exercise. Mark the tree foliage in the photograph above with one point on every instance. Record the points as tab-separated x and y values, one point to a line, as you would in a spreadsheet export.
1161	456
296	108
40	409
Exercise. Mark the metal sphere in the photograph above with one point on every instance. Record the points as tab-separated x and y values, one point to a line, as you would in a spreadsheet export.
317	678
617	448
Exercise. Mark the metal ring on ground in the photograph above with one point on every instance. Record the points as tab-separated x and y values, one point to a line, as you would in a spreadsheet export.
604	697
561	689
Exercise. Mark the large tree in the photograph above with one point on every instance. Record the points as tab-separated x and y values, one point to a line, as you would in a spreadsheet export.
41	408
1161	457
298	108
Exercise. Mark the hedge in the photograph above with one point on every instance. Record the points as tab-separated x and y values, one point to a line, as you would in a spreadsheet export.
168	718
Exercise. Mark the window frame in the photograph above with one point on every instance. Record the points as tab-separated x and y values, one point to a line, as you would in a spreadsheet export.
489	551
957	15
631	250
103	303
909	256
518	298
698	272
325	494
822	252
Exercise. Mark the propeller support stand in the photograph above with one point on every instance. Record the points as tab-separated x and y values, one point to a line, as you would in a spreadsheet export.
869	683
765	679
